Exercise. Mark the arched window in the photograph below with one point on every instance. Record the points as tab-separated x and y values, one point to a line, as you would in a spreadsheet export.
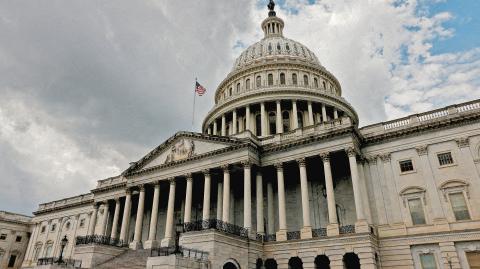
272	122
282	78
259	264
286	121
351	261
230	92
258	125
322	262
270	79
300	119
247	84
305	80
48	249
259	81
295	263
270	264
238	87
36	251
287	47
324	85
294	79
315	82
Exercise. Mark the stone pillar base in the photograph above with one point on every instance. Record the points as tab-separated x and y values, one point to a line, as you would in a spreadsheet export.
135	245
361	226
167	242
281	235
150	244
441	225
306	232
332	229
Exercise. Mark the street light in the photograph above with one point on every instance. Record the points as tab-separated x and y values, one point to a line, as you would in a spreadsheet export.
178	230
63	244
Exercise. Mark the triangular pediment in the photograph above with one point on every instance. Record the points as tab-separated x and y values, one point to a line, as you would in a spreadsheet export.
182	146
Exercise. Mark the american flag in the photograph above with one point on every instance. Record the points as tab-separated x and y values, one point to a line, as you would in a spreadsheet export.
199	89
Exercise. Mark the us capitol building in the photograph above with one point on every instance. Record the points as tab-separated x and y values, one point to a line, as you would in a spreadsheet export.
281	176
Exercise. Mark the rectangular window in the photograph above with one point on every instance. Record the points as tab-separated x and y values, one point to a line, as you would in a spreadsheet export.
54	226
3	236
459	206
406	165
82	222
428	261
445	158
43	229
11	261
18	239
416	211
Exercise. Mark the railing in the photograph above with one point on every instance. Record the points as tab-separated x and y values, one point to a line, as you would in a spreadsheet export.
321	232
270	238
64	263
293	235
217	225
181	251
100	240
347	229
431	115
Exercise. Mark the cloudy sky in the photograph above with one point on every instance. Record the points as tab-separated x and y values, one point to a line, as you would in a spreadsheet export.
88	86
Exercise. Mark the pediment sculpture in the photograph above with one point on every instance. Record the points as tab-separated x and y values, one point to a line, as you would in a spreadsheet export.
182	149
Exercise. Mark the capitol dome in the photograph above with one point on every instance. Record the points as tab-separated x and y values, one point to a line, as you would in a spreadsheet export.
276	86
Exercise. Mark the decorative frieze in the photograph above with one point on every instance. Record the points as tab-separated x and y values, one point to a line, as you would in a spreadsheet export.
462	142
386	157
422	150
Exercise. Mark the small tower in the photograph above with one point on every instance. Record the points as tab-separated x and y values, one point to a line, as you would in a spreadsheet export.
272	26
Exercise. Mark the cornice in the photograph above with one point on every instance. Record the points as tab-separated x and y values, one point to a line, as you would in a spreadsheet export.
77	204
144	160
250	146
427	127
110	187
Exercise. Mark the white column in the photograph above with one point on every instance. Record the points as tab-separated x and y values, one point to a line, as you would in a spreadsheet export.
259	198
270	209
116	215
247	119
219	200
335	113
209	131
294	114
206	195
104	219
126	216
152	233
247	196
234	127
93	220
224	126
306	231
168	240
310	114
215	127
279	121
332	228
188	200
226	194
282	216
262	119
137	236
324	113
357	193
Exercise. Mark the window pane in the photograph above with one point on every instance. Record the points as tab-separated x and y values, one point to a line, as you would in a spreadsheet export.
406	166
428	261
445	158
459	206
416	211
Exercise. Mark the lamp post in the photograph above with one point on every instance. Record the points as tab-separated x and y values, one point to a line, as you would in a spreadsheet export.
63	244
178	230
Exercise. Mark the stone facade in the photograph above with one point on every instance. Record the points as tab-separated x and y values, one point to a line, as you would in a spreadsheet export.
282	176
15	231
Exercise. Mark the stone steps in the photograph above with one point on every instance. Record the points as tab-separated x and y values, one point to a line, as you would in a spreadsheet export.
131	259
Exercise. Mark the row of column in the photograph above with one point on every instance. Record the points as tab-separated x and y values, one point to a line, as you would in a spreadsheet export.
263	116
223	204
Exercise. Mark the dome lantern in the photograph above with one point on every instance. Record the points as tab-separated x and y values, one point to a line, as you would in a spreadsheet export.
272	26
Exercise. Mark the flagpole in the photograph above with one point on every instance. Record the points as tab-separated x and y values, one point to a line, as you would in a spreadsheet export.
194	96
